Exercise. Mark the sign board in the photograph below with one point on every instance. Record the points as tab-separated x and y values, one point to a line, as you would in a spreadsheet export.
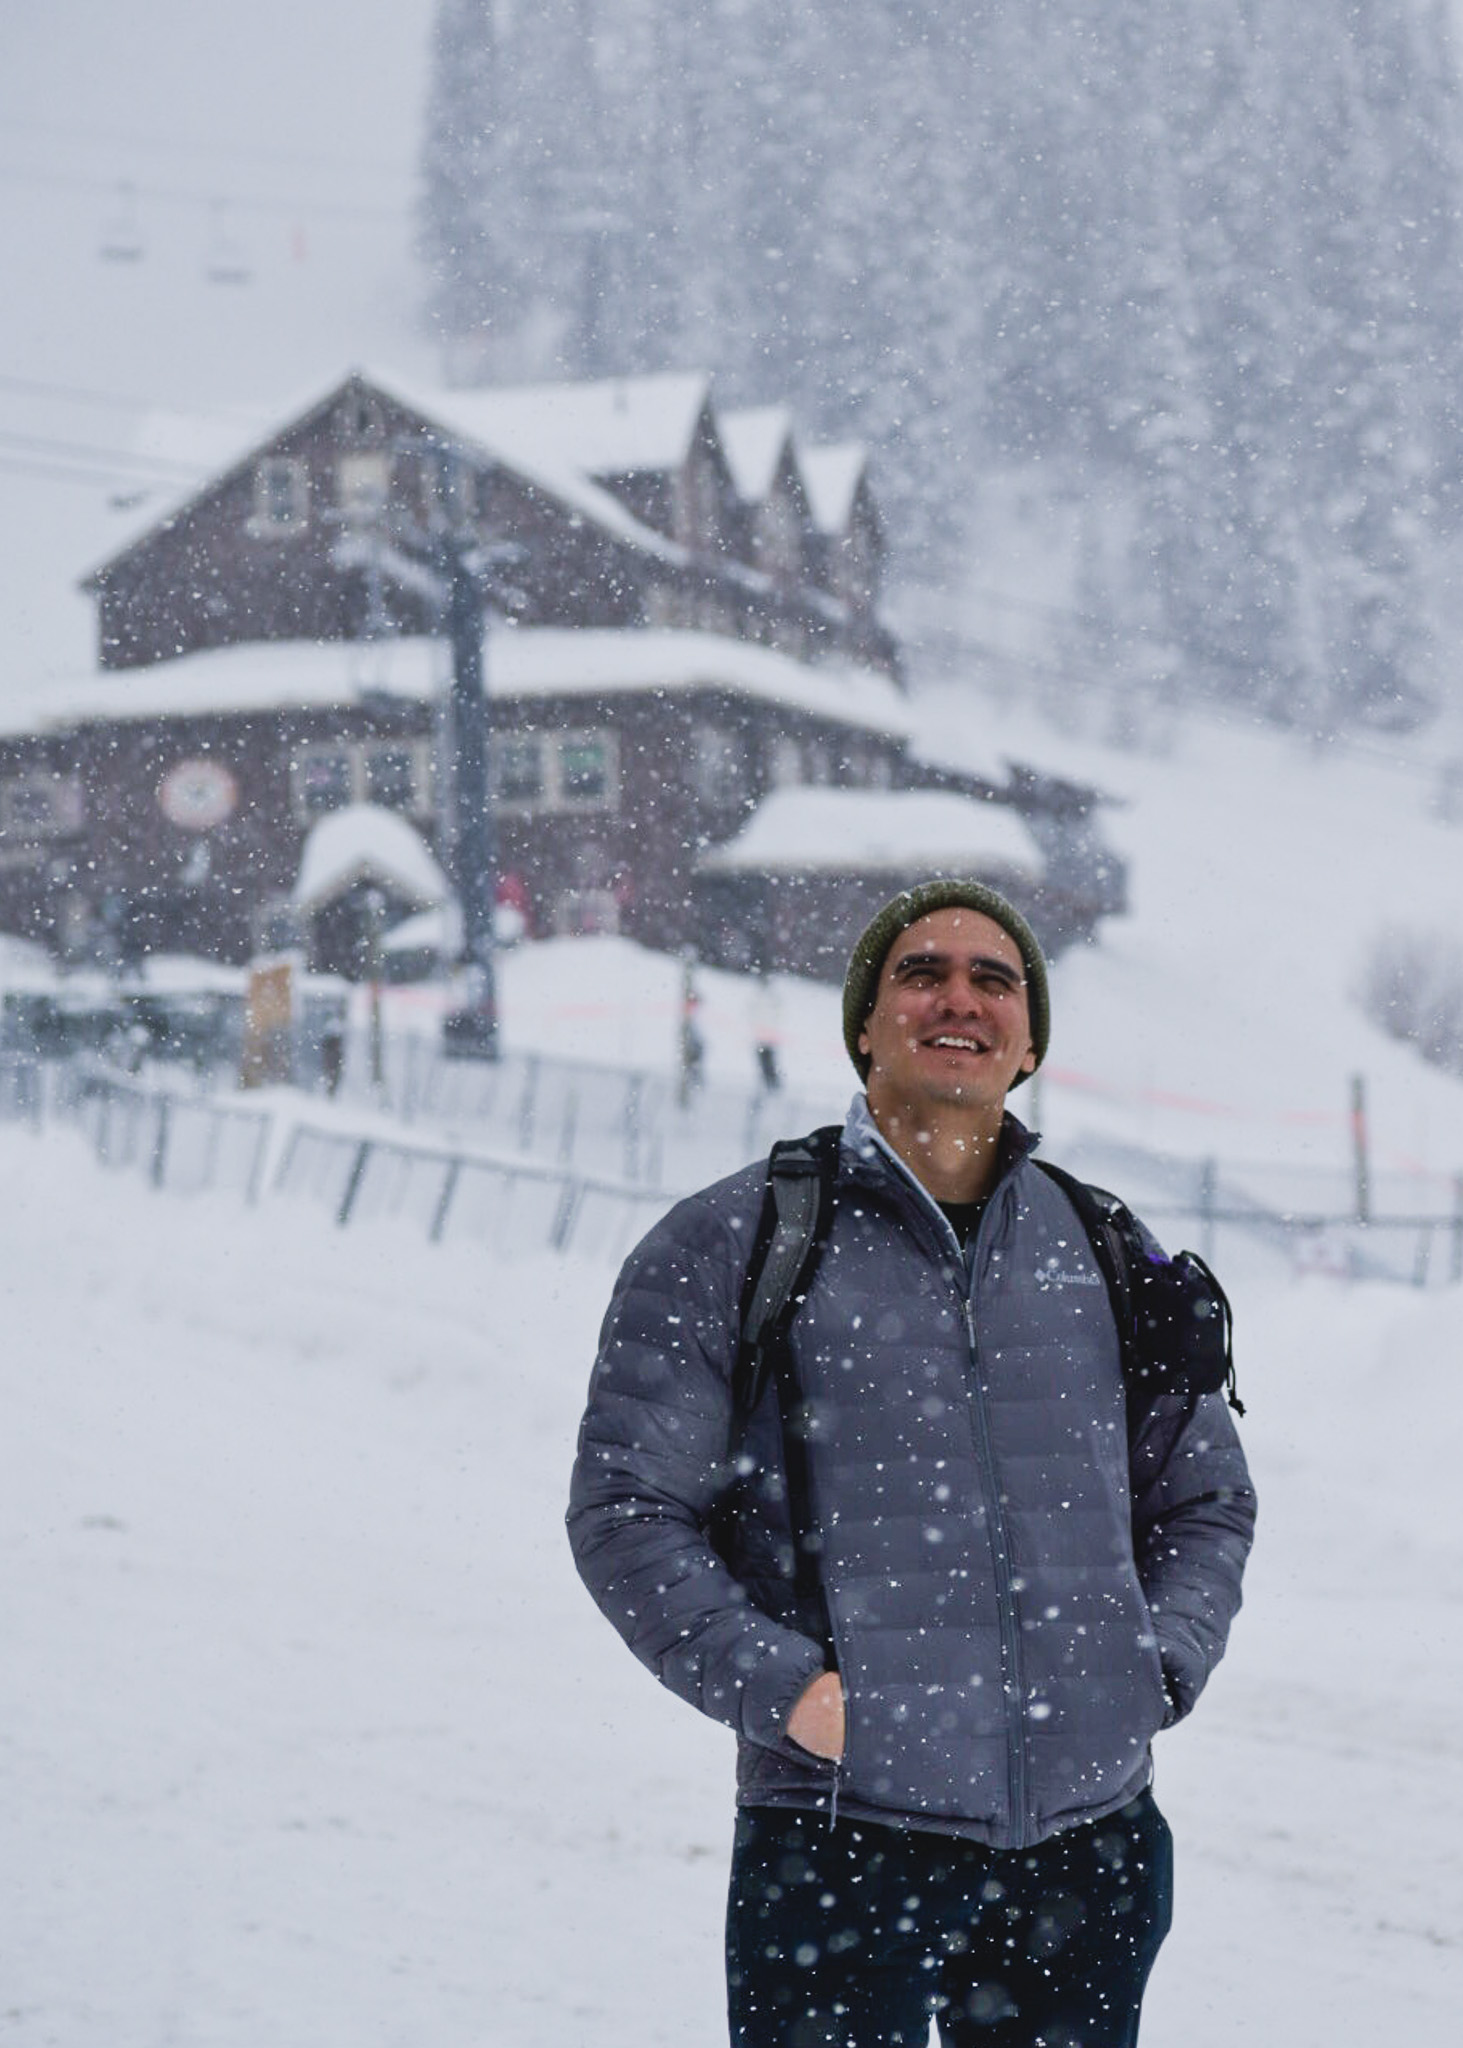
198	794
268	1017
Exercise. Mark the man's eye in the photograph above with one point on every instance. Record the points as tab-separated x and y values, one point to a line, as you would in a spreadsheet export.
994	985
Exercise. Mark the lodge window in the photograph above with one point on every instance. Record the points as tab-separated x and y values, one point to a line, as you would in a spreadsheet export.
574	771
361	418
392	773
323	782
584	913
281	496
518	769
718	764
41	806
363	483
391	777
449	485
585	771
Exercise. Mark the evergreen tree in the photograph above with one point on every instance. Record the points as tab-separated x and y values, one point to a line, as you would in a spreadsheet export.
473	280
1196	267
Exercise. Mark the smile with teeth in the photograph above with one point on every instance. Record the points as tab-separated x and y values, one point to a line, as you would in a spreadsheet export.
957	1042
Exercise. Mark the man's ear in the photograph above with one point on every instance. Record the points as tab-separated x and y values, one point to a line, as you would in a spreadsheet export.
863	1044
1028	1061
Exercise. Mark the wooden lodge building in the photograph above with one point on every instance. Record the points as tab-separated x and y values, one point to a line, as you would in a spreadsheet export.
685	624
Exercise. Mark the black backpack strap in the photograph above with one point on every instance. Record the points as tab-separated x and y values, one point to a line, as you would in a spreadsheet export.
1174	1320
792	1229
1099	1212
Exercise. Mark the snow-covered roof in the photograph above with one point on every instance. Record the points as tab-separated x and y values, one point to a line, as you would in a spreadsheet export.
361	843
510	428
541	458
271	676
831	476
817	830
430	931
544	662
255	677
612	428
754	439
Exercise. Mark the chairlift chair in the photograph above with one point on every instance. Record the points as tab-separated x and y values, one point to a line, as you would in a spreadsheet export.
121	239
227	261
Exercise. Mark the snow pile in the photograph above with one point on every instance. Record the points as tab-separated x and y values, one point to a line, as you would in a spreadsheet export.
857	829
311	1734
364	843
270	676
754	439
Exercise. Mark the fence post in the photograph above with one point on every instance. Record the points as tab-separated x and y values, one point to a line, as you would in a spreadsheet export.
562	1228
1424	1255
1455	1271
568	1127
444	1201
353	1184
1359	1145
157	1171
287	1158
526	1106
634	1089
1208	1202
256	1170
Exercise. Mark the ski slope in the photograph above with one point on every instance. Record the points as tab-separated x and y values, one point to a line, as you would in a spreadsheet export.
308	1733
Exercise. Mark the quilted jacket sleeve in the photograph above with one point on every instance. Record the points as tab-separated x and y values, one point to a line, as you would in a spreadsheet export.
1193	1523
651	1455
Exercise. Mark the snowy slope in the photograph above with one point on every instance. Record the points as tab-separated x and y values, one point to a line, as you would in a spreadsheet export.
308	1731
281	135
308	1734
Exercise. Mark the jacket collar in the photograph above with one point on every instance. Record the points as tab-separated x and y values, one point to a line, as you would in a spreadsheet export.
866	1146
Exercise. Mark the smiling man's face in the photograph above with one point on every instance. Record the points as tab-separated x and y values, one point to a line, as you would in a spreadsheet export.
950	1026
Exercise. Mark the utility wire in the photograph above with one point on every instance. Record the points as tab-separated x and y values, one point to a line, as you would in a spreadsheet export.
292	208
125	138
42	444
34	387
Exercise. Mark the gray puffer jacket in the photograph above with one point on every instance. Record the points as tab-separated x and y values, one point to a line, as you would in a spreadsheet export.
1019	1598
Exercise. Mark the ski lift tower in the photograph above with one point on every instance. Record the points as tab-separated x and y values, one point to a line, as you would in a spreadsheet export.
461	576
470	572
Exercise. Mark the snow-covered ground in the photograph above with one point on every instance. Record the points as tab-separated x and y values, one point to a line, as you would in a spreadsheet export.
307	1731
309	1735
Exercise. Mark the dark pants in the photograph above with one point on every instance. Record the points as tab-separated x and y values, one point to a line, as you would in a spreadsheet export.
855	1936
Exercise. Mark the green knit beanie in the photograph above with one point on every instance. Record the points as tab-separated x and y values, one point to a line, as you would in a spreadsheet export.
861	983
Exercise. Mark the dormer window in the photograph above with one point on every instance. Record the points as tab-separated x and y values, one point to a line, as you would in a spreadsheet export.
363	483
281	496
361	418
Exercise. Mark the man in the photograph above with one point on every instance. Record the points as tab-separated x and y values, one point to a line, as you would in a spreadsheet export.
943	1760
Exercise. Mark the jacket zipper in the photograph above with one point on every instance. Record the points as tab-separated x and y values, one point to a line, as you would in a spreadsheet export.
1016	1757
1016	1770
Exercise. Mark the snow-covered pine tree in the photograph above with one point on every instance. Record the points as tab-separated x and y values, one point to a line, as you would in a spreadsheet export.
466	234
1193	267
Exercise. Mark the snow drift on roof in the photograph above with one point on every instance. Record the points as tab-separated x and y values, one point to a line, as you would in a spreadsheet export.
271	676
831	476
818	830
364	843
613	428
754	440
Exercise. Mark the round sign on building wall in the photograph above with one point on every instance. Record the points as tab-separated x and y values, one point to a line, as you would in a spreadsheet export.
197	795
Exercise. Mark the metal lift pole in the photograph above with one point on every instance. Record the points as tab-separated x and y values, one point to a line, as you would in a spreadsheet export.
472	1031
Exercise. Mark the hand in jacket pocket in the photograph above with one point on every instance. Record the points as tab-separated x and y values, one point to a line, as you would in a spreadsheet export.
816	1721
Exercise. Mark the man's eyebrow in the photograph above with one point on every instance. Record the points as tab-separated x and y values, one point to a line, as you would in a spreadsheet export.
983	963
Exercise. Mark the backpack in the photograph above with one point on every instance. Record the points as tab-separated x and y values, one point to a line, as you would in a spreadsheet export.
1174	1322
